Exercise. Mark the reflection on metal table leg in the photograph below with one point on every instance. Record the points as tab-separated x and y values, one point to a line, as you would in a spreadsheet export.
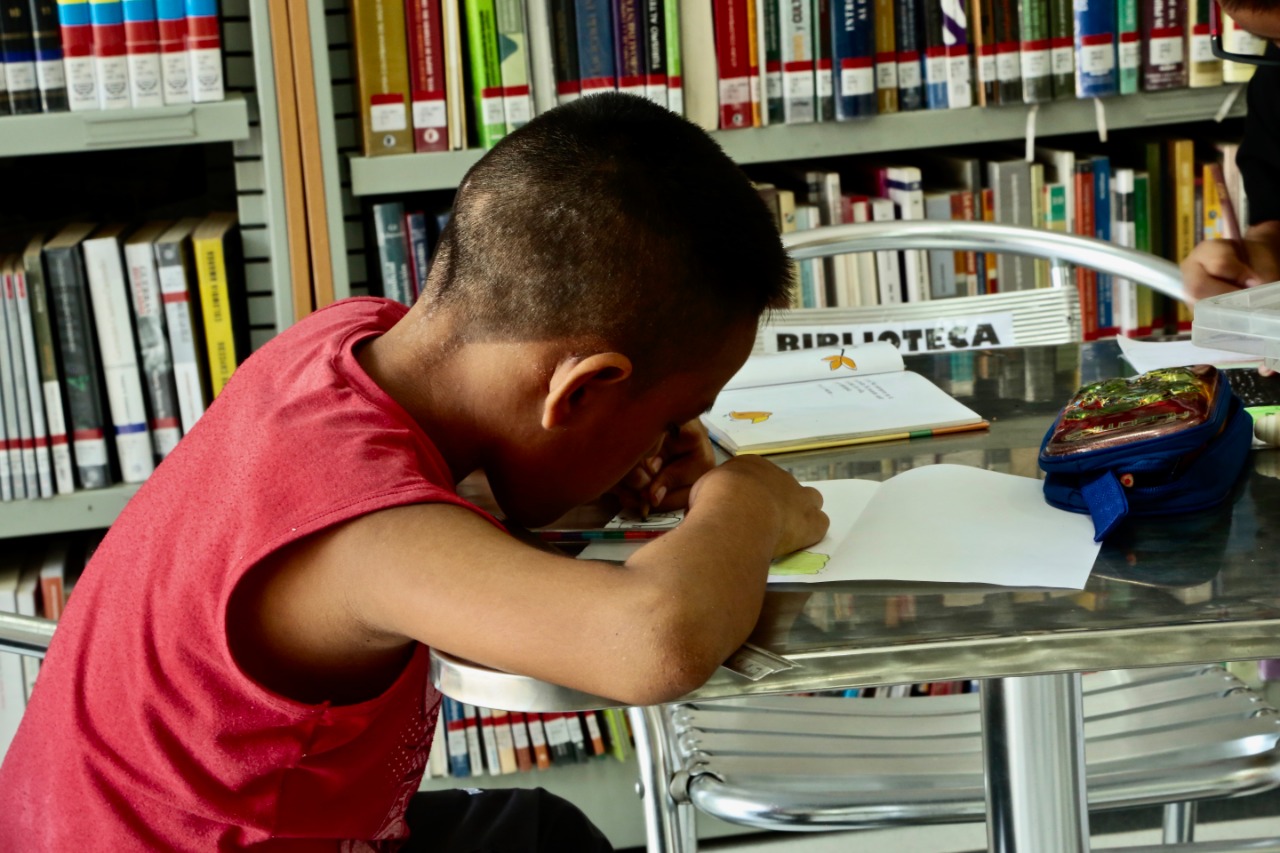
1179	823
662	823
1033	752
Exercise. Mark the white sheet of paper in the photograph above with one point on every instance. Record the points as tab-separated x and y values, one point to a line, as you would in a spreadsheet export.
1153	355
983	527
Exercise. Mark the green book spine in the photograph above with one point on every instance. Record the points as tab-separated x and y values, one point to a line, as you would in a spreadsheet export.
513	60
1142	242
675	79
1036	55
773	63
486	71
1062	49
1130	54
47	358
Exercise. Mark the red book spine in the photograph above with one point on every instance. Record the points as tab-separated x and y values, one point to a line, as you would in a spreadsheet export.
734	63
1086	279
426	75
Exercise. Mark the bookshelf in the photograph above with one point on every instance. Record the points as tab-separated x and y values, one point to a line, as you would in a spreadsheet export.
422	172
90	509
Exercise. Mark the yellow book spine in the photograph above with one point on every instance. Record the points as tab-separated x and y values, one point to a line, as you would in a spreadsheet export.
215	304
754	49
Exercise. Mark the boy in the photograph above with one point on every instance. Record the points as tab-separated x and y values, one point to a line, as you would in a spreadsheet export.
244	663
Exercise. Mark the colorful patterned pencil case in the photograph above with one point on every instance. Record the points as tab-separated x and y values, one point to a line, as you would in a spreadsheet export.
1164	442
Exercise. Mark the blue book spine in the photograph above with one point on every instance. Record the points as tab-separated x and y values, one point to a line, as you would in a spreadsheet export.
419	251
594	22
455	723
1095	40
853	58
1102	230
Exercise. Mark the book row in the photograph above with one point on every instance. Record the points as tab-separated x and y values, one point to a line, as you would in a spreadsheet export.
36	579
473	741
427	69
1161	197
113	341
108	54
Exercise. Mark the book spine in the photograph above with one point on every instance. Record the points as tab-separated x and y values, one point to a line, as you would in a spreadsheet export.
204	46
430	110
888	272
34	393
1236	40
1204	69
504	742
1102	231
50	380
955	38
597	69
1128	46
51	75
886	57
382	76
85	406
798	93
142	53
935	57
175	57
558	739
984	48
1062	49
654	50
823	79
216	311
76	28
905	191
1123	233
182	323
564	47
393	251
513	63
732	37
486	71
116	346
1008	56
153	347
1035	51
854	59
1086	279
675	56
455	726
1036	220
627	55
471	729
1182	164
110	63
990	280
1095	28
771	46
18	57
21	447
538	741
1142	242
963	209
907	39
415	229
520	740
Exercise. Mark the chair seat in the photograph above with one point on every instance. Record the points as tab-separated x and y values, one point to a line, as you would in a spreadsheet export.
812	763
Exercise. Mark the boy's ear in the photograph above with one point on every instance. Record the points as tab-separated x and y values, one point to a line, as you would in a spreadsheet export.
577	383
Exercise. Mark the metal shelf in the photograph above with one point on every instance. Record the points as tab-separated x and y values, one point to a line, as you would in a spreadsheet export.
896	132
61	133
92	509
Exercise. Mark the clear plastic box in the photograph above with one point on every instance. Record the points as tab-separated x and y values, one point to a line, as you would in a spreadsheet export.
1246	321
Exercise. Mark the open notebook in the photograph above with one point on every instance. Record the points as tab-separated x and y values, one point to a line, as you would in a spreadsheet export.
830	397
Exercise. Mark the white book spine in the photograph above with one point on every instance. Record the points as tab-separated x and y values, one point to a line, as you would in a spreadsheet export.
153	346
112	73
798	102
15	484
6	464
888	276
505	743
904	189
17	375
541	60
475	752
82	83
145	86
107	290
175	77
182	343
35	394
59	448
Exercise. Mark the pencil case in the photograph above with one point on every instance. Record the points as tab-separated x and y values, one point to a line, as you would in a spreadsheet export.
1164	442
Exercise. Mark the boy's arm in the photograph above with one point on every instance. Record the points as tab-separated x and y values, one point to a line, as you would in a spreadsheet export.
1221	266
645	632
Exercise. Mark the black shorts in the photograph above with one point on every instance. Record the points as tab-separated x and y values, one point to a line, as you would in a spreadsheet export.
517	820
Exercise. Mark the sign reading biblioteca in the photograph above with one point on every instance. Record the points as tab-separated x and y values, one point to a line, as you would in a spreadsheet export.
934	334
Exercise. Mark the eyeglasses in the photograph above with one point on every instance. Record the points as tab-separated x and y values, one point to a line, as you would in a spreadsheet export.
1215	41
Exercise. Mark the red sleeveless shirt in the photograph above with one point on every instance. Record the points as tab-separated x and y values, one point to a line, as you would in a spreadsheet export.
142	732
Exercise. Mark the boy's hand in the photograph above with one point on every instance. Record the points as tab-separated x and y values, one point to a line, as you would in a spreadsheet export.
763	489
663	479
1221	266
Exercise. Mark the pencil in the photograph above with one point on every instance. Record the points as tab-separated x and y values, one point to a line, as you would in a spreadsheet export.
594	535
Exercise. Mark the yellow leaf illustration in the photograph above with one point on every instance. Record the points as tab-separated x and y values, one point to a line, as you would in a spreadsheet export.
839	361
754	417
800	563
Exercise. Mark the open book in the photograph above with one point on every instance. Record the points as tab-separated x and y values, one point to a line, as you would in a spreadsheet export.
984	527
830	397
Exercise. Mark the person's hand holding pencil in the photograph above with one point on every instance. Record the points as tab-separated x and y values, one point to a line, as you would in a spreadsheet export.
1221	266
661	481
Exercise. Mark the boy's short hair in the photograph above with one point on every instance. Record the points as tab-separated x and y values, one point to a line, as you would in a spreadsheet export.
1264	6
614	221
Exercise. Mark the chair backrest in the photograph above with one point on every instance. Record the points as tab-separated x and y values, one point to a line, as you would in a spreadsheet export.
1017	318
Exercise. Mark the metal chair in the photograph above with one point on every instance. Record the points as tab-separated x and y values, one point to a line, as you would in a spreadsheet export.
1169	736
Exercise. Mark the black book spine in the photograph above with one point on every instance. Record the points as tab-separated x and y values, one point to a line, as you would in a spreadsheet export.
51	77
18	53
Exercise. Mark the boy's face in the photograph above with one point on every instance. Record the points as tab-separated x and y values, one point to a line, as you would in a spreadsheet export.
535	486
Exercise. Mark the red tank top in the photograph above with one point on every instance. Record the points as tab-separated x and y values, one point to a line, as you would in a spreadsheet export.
143	733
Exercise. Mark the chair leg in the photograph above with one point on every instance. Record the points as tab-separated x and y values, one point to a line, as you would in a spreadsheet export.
1179	823
666	829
